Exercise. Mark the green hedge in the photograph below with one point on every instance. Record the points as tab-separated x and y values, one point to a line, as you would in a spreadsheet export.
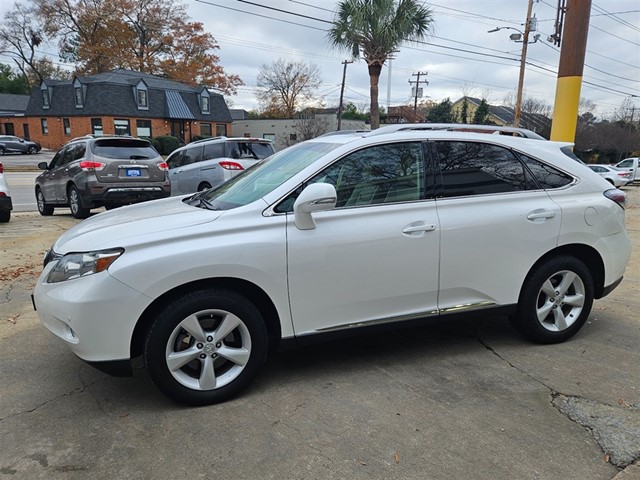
165	144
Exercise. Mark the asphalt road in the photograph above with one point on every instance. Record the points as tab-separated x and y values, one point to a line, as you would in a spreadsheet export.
467	400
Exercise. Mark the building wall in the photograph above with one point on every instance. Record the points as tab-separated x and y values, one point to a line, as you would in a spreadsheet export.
279	130
56	136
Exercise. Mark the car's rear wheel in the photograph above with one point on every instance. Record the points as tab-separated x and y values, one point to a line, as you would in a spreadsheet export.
5	216
75	204
206	346
204	186
43	207
555	301
32	150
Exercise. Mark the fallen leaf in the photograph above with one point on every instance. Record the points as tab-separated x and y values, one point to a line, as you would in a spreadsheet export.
397	457
13	319
606	458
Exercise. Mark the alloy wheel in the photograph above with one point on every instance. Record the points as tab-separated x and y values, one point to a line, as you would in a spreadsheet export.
560	301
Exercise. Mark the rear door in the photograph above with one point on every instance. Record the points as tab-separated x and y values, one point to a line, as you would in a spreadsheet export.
496	222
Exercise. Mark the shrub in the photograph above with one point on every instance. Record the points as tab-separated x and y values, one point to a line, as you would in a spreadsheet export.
165	144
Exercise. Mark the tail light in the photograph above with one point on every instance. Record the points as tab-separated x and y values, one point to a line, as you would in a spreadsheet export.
1	168
617	196
163	166
88	166
227	165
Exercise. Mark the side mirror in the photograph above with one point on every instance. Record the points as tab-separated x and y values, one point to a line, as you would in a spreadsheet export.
43	166
317	197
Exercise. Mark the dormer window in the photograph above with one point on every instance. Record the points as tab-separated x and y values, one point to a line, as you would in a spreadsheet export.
45	98
142	98
78	93
205	106
141	95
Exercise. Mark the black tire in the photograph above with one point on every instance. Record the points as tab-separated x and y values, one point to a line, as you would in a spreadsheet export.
204	186
32	150
5	216
43	207
553	312
207	376
75	204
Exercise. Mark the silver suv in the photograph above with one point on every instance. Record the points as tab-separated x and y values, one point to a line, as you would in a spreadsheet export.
91	172
208	163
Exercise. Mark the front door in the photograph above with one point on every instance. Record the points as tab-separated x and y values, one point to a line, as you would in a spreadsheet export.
375	257
177	129
25	127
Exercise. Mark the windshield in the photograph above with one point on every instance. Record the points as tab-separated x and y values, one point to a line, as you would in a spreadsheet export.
258	181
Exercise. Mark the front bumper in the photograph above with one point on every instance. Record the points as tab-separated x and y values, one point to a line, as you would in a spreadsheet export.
94	315
5	203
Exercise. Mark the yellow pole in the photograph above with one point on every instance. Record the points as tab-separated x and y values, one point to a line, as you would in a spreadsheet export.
572	53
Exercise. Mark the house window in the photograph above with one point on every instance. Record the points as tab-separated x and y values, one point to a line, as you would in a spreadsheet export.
45	126
269	136
205	129
221	130
142	99
96	126
143	128
45	98
205	104
122	127
78	95
67	126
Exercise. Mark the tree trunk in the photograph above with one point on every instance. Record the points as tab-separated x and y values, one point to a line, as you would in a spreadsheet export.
374	78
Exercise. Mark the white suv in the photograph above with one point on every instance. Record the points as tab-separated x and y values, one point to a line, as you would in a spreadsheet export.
337	233
6	204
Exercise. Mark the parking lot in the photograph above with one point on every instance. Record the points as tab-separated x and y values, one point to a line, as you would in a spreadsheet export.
464	400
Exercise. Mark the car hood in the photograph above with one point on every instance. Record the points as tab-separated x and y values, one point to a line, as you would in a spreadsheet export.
132	224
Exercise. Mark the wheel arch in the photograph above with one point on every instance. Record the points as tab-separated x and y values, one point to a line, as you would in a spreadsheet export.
243	287
586	254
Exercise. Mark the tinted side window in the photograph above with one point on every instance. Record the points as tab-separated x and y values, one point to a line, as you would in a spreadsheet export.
192	155
175	160
380	174
56	161
78	151
625	164
547	176
213	150
469	168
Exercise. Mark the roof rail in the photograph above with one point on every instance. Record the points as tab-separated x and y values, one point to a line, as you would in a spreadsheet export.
344	132
207	139
458	127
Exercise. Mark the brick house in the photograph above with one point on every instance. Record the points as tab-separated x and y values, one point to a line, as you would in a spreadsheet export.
122	102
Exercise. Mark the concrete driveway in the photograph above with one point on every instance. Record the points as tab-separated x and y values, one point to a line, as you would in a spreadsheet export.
458	401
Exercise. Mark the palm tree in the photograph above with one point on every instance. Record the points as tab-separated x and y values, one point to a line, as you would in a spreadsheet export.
376	28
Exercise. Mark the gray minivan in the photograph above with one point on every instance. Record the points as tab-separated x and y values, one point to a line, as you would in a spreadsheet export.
91	172
207	163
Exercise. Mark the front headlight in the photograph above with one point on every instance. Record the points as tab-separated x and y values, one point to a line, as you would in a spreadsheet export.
76	265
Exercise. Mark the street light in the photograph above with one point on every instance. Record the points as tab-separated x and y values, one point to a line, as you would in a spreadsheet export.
530	25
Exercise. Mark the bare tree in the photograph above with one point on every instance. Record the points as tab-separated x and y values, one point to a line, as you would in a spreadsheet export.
20	35
305	128
284	86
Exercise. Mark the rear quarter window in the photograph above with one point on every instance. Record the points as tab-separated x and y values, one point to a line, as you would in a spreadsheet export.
547	176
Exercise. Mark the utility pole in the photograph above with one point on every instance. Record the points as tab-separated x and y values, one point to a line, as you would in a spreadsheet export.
523	62
344	77
572	53
417	82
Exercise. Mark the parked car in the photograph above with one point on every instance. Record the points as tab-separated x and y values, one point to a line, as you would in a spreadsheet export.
331	236
5	198
91	172
614	176
631	165
11	144
208	163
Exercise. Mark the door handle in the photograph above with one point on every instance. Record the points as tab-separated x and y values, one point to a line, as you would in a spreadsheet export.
421	227
541	214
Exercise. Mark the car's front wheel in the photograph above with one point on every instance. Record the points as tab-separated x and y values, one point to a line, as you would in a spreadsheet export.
206	346
43	207
555	301
32	150
75	204
204	186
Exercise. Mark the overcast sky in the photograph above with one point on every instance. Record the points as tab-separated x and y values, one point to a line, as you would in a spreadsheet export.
460	57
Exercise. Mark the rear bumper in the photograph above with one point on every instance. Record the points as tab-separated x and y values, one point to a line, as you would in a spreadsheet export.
99	195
